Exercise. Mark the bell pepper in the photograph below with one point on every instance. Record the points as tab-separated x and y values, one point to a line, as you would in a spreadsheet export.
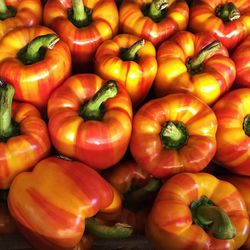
34	62
19	13
137	190
7	223
24	137
83	25
173	134
90	120
233	134
197	64
242	183
154	20
133	183
55	203
241	58
198	211
125	174
228	21
130	61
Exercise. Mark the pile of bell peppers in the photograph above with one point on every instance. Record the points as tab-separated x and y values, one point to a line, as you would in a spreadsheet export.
120	118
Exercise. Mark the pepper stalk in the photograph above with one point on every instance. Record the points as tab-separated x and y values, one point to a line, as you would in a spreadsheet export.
7	127
118	231
212	218
194	64
34	51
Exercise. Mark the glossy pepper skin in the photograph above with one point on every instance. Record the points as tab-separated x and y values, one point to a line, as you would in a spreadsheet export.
228	21
242	183
241	58
29	142
172	18
63	193
125	174
84	39
97	141
136	73
33	80
194	63
19	13
233	134
173	222
173	134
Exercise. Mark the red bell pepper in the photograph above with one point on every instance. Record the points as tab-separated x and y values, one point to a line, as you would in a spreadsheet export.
241	58
130	61
173	134
19	13
228	21
90	120
154	20
196	64
35	62
24	137
55	203
198	211
233	134
126	174
137	189
83	25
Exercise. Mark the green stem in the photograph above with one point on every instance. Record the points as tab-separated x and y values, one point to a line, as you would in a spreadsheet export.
194	65
118	231
93	109
6	95
156	8
212	218
6	11
227	12
246	125
130	54
35	50
3	7
79	15
174	135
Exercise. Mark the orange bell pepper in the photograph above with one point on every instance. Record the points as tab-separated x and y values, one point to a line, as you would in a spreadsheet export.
228	21
154	20
242	183
196	64
34	62
19	13
233	134
83	25
198	211
55	203
173	134
130	61
90	120
241	58
24	137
